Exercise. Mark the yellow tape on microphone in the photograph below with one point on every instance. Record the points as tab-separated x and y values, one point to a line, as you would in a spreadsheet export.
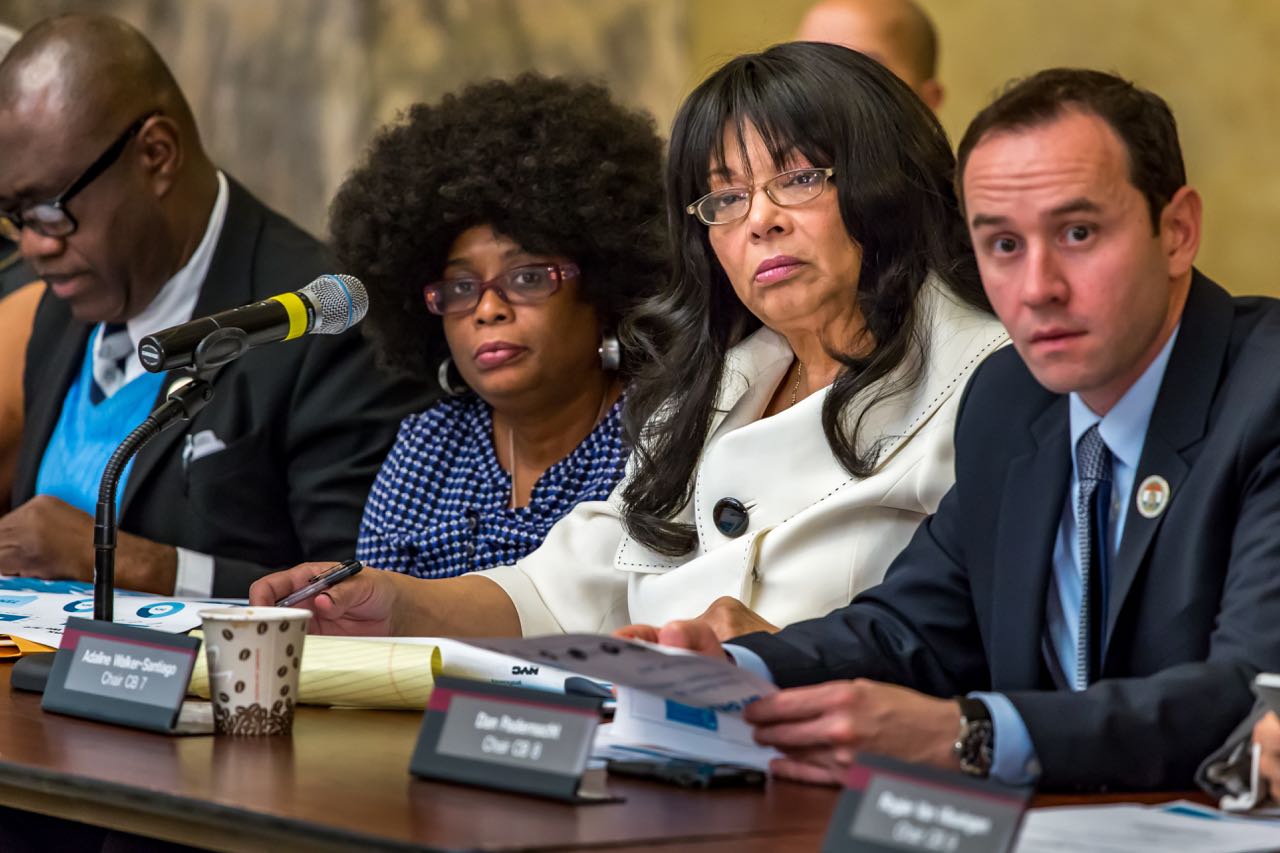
297	311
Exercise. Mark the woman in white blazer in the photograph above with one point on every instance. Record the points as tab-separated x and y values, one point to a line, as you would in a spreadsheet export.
805	364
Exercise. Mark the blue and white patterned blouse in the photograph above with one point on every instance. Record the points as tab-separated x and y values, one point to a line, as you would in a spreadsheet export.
440	506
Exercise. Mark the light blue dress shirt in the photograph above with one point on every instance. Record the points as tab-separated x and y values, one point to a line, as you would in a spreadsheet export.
1124	430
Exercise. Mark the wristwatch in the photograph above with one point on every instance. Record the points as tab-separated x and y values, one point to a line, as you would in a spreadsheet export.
976	741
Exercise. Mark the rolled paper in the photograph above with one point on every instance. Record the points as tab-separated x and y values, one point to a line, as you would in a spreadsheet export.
354	673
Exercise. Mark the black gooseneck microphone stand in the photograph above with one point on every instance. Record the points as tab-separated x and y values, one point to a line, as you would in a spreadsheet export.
182	404
213	347
31	672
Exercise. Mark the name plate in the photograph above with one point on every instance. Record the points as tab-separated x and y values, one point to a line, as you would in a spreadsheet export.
892	806
121	674
510	738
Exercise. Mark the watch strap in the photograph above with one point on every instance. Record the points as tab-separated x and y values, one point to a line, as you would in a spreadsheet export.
975	743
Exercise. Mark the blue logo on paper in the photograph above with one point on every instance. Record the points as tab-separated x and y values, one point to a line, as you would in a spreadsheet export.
41	585
84	605
703	718
159	609
11	617
16	600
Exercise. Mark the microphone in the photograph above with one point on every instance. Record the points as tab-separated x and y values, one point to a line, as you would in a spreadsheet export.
327	306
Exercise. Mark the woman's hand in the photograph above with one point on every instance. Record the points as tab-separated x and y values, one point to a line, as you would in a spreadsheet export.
1267	735
693	636
728	618
362	605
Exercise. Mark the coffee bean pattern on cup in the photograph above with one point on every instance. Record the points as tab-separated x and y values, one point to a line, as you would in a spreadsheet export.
254	670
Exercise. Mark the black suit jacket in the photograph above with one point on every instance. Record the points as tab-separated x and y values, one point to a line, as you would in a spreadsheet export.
1194	604
306	423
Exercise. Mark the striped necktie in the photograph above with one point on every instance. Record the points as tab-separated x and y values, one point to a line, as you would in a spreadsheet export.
109	361
1093	470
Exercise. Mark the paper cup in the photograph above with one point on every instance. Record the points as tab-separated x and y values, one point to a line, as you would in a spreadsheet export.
254	655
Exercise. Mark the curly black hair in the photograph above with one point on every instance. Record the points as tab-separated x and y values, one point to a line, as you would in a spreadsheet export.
557	166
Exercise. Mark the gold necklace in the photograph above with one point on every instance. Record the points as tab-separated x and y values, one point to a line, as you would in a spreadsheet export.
795	387
511	455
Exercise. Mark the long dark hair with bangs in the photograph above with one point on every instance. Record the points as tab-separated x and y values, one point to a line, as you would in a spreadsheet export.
893	176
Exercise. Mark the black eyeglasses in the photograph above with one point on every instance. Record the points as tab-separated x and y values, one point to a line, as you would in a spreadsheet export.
520	286
50	218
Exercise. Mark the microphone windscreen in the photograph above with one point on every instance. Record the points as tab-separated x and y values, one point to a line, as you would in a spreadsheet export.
340	301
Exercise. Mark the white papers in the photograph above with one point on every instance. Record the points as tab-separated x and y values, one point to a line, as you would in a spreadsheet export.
670	673
41	616
647	726
461	660
1127	828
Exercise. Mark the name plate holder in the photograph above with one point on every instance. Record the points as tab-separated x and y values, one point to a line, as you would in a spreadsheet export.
121	674
892	806
512	739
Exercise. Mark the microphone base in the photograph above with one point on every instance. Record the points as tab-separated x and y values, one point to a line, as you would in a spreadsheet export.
31	672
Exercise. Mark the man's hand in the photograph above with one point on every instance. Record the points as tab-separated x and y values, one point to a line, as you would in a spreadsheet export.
693	635
1267	735
363	605
819	729
48	538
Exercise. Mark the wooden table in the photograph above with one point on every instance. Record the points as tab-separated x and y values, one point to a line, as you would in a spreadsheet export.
342	781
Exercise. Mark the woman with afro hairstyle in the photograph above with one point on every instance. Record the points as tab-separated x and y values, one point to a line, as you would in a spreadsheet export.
502	234
793	410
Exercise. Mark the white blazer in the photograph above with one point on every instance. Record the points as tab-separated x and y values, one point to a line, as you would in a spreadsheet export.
816	535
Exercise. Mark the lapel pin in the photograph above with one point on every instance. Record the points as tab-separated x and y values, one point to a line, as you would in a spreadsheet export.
1153	496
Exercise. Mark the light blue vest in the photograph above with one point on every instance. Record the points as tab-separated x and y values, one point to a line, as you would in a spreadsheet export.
87	434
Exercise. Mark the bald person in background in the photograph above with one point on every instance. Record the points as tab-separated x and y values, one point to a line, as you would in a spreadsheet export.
895	33
107	190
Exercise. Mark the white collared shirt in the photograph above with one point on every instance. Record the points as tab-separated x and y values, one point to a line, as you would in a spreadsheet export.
176	301
173	305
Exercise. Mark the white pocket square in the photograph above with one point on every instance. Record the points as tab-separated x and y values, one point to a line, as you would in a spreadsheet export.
200	445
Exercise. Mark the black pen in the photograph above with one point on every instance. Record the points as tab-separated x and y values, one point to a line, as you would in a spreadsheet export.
335	575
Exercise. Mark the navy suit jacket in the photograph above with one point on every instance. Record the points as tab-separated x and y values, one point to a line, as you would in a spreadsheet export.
1194	603
306	423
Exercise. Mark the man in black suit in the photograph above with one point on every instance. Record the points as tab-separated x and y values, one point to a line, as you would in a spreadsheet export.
112	200
1088	604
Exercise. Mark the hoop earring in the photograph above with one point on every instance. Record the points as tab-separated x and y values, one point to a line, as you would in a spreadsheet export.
610	352
442	377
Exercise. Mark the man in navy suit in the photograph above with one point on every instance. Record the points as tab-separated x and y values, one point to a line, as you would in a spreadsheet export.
1088	604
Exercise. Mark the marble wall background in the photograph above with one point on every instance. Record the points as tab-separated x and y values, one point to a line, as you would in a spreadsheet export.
288	91
1217	63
